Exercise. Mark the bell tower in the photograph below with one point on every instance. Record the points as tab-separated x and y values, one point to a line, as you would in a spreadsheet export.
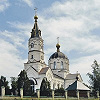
35	49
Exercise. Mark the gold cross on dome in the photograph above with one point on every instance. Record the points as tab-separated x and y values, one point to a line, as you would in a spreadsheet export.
35	10
58	40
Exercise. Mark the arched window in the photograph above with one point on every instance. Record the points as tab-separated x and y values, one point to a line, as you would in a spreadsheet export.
32	45
62	67
32	85
54	86
31	56
54	65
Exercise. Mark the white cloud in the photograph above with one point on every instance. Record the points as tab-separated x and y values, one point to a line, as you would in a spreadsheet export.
4	4
24	28
83	65
72	21
11	46
73	24
28	2
10	61
16	38
76	35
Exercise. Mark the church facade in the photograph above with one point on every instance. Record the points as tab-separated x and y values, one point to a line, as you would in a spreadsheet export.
57	70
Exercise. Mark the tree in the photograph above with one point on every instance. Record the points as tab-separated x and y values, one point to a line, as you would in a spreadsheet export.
14	85
59	92
23	82
45	89
4	83
95	77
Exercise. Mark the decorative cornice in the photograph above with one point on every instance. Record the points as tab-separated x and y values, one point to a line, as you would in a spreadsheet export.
36	50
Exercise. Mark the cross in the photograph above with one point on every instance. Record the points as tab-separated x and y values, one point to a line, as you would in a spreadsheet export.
35	10
58	40
77	72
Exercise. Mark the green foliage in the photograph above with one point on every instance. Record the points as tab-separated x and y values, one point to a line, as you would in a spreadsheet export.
23	82
4	83
45	89
59	92
14	85
95	77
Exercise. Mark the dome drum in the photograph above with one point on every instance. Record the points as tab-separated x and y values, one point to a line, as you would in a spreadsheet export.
58	55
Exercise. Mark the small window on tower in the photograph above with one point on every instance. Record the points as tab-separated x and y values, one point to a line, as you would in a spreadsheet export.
31	56
62	65
54	65
32	45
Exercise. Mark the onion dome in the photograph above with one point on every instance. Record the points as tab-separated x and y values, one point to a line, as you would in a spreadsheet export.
58	54
35	17
58	46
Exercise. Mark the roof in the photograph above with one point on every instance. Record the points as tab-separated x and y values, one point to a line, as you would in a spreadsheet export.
32	68
71	76
36	32
58	55
77	85
69	82
76	76
57	76
44	70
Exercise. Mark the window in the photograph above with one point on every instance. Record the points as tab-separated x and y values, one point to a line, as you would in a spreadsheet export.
62	65
54	65
54	86
58	86
31	56
32	45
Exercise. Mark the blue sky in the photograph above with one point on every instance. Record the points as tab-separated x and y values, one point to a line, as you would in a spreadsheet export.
75	22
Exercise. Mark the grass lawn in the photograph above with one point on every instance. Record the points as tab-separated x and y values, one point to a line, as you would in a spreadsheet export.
18	98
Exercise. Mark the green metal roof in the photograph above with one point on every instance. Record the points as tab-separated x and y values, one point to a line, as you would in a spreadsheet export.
77	85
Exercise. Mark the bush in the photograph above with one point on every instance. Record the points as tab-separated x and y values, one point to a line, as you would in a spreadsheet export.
59	92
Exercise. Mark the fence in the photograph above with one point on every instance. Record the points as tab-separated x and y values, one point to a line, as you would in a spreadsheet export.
77	94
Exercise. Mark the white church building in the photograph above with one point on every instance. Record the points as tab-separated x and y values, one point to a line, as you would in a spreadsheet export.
56	72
